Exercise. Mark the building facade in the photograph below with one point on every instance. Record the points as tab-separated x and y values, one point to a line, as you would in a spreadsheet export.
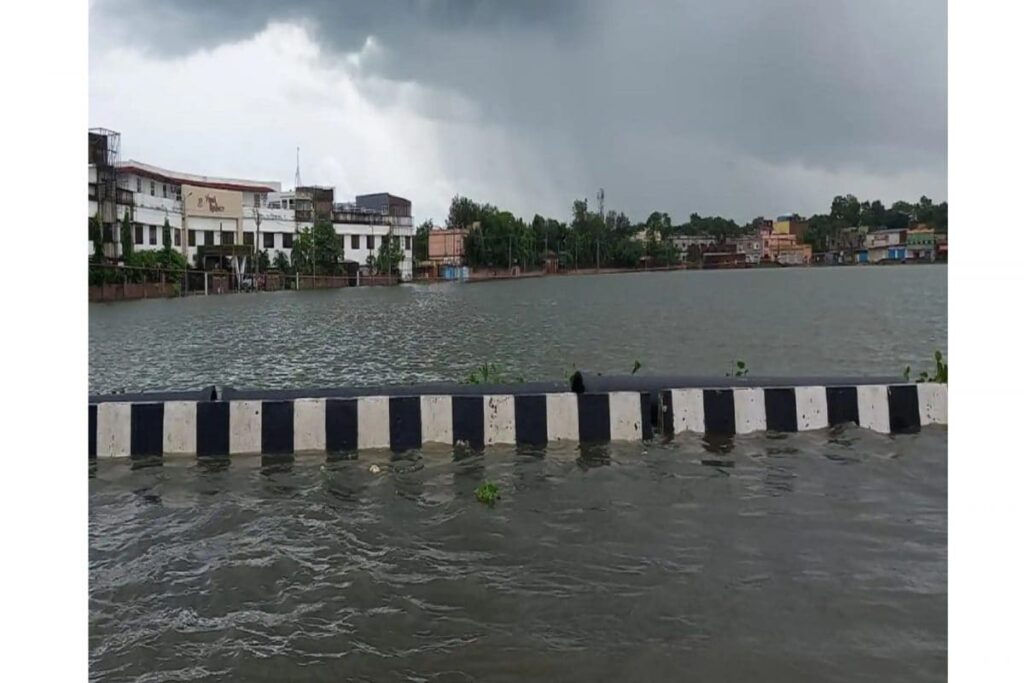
883	245
793	254
751	246
791	224
921	244
212	217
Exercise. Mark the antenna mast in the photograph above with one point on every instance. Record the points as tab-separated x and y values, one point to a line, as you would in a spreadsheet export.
600	202
298	176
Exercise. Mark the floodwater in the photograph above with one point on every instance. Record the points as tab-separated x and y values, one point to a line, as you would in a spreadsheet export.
814	557
818	556
810	321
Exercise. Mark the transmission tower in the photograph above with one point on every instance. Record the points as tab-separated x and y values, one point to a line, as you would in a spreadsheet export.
600	202
298	176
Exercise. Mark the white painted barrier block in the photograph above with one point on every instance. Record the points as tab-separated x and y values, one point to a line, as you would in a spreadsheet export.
624	415
499	419
436	419
873	407
245	425
932	403
310	427
113	430
688	410
179	428
811	408
374	422
563	417
750	411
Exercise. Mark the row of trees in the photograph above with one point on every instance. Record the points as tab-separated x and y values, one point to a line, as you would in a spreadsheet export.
144	266
825	230
497	238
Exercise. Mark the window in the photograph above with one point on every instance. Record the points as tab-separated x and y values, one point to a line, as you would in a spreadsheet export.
286	239
108	232
165	191
138	233
268	240
227	238
177	237
152	188
355	241
408	243
138	184
152	234
208	237
369	242
248	238
191	238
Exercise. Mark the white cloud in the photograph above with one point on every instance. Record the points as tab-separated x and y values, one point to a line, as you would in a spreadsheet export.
241	109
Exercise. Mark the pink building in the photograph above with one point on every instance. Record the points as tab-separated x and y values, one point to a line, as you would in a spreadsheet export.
446	247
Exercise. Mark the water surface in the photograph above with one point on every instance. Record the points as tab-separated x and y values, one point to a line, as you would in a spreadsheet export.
810	321
814	557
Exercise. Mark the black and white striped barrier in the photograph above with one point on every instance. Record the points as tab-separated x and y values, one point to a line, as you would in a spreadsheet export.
281	423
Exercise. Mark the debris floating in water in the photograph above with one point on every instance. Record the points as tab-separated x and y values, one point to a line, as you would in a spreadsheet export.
374	469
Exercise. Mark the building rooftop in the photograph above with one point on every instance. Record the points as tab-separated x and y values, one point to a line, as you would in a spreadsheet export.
165	175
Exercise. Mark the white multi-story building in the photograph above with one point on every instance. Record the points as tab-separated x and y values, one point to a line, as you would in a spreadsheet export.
205	211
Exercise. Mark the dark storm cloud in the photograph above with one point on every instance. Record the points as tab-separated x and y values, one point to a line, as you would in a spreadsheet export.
681	105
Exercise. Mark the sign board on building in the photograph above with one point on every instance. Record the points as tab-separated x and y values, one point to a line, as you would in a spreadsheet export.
203	201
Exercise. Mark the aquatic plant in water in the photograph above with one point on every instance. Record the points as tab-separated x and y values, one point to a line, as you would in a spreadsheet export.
489	373
941	375
740	371
487	493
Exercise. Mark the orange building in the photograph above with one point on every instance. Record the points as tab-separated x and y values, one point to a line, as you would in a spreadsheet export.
446	246
774	243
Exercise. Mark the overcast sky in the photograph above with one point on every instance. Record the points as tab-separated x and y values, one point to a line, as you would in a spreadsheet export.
737	108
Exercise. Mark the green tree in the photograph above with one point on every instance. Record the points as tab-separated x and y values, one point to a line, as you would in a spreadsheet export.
317	251
96	237
281	262
127	245
166	235
263	260
390	255
421	242
846	210
462	213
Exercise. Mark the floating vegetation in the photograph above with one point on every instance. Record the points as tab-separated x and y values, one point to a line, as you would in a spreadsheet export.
487	493
739	371
490	373
940	376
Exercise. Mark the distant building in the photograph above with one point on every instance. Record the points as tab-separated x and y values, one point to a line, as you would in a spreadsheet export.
751	246
724	256
921	244
793	254
214	218
447	247
941	248
791	224
692	246
772	244
883	245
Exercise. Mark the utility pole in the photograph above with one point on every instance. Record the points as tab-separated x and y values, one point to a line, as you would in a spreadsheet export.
257	250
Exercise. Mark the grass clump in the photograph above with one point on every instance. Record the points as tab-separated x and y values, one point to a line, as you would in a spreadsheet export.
489	373
940	376
740	370
487	493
